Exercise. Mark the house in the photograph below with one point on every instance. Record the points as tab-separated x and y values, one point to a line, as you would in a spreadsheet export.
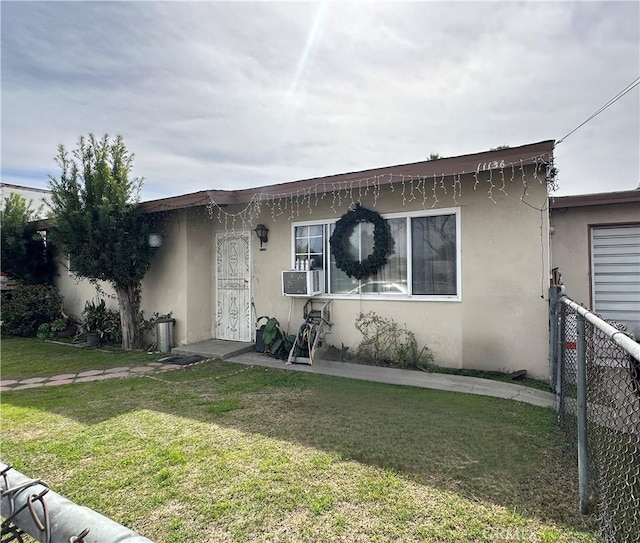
39	199
596	248
467	271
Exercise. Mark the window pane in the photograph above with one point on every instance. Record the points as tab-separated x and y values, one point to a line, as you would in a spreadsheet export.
302	246
315	230
309	244
391	279
315	245
339	282
434	255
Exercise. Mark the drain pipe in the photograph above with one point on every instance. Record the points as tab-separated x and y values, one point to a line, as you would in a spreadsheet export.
30	506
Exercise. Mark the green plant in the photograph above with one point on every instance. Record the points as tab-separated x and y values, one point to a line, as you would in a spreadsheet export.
277	342
386	343
26	307
50	329
98	319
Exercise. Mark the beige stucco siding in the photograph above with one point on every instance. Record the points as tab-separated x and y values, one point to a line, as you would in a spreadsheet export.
76	292
570	241
164	285
500	322
180	277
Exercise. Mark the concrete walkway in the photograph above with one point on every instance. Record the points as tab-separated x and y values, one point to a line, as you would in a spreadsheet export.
439	381
420	379
86	376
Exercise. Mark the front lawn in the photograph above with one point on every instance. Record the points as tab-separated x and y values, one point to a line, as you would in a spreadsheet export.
28	357
223	452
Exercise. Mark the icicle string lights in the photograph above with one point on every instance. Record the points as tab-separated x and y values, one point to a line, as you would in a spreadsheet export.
413	188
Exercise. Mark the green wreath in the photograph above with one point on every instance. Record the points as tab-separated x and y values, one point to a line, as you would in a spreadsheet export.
381	243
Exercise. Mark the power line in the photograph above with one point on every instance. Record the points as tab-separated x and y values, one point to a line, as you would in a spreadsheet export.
617	97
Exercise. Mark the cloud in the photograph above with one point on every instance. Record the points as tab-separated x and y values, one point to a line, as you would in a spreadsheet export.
229	95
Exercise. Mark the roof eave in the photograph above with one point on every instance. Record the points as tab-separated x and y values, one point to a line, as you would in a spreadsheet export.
463	164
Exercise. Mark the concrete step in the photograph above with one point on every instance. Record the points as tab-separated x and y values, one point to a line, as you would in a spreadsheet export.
215	348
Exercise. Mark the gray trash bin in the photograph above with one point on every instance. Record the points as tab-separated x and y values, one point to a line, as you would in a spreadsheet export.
164	334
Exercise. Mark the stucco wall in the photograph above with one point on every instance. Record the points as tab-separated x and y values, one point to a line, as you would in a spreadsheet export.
570	242
501	322
76	292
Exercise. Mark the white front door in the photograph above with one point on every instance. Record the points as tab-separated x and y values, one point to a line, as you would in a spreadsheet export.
233	286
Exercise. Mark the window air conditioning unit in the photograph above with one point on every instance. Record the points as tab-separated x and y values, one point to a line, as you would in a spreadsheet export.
302	283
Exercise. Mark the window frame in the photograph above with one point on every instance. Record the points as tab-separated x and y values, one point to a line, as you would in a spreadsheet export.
407	215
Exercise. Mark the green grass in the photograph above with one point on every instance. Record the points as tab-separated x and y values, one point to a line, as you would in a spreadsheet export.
222	452
493	375
28	357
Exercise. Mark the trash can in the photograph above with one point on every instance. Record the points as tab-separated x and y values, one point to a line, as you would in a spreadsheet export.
164	334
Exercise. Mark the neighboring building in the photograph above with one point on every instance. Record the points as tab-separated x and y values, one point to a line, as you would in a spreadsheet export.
40	198
596	247
468	270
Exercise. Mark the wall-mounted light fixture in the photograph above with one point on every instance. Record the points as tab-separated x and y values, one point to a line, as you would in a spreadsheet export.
155	240
261	231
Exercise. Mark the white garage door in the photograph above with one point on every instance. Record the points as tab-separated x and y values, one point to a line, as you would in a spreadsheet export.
615	274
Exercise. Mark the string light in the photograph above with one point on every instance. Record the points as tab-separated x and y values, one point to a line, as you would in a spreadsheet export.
491	186
435	196
343	193
503	187
412	196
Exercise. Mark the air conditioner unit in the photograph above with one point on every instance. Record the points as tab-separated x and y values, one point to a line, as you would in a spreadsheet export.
302	283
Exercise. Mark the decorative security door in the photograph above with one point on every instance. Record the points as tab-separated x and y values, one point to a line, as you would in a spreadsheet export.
233	282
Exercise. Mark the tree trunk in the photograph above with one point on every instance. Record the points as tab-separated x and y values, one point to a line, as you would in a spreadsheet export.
129	306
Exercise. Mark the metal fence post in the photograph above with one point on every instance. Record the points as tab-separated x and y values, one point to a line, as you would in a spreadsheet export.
553	330
583	460
560	361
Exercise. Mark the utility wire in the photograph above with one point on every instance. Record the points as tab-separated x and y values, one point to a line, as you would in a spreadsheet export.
617	97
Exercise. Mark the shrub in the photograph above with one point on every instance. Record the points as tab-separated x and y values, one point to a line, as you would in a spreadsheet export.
26	307
97	319
51	329
386	343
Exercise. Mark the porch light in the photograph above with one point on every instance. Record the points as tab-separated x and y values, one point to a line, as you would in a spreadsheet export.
261	231
155	240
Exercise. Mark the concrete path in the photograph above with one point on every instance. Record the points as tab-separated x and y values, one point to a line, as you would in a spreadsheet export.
86	376
420	379
439	381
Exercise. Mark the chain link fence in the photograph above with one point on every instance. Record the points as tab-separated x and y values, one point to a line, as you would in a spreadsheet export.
32	511
596	373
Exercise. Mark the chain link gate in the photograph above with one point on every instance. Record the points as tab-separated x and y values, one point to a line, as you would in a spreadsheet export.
596	372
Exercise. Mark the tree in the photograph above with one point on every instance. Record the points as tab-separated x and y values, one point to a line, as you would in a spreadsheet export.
435	156
100	224
25	255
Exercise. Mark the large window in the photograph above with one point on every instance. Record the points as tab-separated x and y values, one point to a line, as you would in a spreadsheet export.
424	256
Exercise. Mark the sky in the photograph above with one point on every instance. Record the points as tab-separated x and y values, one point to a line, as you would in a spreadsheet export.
229	95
